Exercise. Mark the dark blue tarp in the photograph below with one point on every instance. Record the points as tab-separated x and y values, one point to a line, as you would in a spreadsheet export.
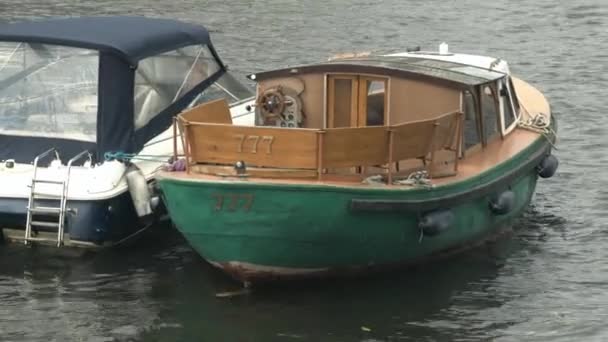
122	42
132	38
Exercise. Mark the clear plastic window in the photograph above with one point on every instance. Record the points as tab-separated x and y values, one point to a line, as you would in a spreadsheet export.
48	91
375	103
161	80
471	134
507	107
226	87
489	111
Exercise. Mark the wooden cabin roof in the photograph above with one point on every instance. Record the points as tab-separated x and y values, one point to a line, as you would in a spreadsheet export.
454	74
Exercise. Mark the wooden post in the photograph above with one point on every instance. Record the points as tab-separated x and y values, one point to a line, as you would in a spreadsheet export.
182	133
174	139
390	156
460	131
320	155
185	137
432	146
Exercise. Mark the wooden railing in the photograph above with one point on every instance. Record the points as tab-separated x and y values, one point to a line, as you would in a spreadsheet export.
320	149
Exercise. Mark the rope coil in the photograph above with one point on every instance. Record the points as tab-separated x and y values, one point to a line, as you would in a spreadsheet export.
417	178
539	123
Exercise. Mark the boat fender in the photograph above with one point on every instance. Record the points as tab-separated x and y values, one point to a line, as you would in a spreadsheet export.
547	166
436	222
140	193
503	202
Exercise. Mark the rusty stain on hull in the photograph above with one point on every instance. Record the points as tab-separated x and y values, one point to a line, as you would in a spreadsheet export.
249	274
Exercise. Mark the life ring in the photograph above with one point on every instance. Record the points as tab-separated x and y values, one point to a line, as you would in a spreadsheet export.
271	103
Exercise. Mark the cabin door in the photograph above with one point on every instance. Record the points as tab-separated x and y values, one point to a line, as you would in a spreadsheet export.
356	101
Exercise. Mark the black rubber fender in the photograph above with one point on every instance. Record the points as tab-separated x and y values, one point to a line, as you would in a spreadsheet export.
436	222
547	167
502	203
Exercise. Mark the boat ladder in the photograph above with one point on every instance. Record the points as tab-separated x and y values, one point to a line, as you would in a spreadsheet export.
34	211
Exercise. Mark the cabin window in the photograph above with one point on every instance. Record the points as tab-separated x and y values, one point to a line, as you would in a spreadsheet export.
374	98
48	91
356	101
471	133
489	112
161	80
507	104
514	99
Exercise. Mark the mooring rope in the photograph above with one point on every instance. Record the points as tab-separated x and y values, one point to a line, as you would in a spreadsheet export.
417	178
539	123
132	156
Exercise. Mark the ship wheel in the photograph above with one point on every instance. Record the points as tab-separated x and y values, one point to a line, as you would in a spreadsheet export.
272	104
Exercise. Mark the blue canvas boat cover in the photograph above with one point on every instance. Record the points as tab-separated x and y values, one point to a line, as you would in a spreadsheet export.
122	43
132	38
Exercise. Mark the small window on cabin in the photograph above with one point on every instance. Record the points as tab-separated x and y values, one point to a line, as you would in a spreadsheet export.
471	135
375	103
505	102
514	99
489	112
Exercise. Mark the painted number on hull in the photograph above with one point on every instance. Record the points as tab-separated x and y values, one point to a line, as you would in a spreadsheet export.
253	141
233	202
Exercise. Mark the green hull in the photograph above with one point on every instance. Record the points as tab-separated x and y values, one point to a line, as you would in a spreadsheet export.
258	231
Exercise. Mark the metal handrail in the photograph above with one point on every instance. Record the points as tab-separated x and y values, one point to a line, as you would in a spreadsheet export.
64	197
42	155
70	162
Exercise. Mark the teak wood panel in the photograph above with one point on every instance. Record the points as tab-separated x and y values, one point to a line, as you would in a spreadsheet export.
362	146
216	111
446	130
413	100
412	140
256	146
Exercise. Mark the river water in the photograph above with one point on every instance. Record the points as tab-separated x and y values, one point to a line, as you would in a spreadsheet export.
547	281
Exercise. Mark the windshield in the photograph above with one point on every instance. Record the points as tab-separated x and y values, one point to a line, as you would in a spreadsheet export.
48	91
226	87
163	79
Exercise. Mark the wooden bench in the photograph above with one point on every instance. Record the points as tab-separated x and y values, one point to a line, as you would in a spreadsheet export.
213	143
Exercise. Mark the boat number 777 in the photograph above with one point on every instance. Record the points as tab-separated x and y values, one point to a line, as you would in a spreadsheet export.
255	141
233	202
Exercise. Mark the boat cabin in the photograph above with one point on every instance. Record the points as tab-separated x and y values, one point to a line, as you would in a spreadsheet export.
359	116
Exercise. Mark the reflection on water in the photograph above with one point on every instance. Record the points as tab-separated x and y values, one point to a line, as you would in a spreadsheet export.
545	282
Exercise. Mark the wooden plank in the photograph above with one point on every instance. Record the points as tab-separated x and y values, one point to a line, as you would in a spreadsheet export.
256	146
255	172
446	130
216	111
413	139
362	146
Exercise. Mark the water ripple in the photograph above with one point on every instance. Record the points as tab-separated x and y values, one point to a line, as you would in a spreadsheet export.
546	282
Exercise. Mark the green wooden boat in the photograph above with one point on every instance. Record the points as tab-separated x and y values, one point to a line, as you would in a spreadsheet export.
360	163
